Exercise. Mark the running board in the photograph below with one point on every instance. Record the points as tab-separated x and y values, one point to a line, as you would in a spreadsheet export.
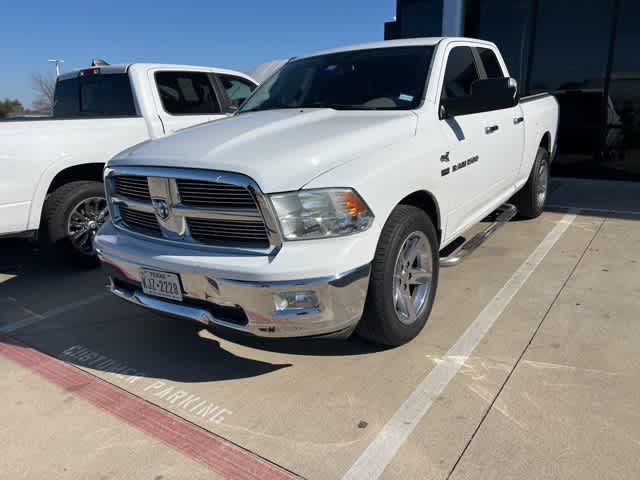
507	212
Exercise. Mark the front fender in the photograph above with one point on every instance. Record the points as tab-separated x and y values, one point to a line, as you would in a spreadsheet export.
387	177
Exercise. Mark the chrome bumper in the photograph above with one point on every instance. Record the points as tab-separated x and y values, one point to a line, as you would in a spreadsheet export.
340	300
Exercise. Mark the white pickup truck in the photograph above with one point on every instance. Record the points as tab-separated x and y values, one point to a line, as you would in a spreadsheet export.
322	206
52	166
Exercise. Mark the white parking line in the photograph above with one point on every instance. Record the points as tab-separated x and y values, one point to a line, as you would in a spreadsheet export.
386	444
38	317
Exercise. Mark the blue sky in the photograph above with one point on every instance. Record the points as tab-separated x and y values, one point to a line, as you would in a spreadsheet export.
233	33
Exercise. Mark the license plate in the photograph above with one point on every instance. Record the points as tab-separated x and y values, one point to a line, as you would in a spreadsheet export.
161	284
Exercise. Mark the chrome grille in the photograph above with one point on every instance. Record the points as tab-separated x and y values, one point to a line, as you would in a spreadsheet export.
142	222
208	208
214	194
132	186
232	232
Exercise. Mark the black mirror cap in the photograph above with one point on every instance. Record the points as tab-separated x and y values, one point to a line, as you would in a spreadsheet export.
486	95
501	92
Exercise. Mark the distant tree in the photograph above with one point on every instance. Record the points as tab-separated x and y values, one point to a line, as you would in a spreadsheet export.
44	86
10	107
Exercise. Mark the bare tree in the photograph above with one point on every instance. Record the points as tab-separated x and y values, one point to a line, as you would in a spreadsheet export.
44	85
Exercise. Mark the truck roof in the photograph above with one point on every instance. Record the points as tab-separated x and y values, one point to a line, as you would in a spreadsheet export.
408	42
124	68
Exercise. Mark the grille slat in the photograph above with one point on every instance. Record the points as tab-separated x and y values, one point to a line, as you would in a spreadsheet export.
132	186
212	231
140	221
199	193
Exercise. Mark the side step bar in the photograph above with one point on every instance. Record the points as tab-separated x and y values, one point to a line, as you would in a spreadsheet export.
506	213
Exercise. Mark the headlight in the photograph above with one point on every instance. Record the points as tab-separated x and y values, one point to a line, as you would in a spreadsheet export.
321	213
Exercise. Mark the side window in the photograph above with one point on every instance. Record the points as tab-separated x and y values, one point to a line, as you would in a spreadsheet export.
238	89
187	93
490	62
460	73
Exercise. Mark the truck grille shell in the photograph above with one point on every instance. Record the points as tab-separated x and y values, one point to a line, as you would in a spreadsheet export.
211	209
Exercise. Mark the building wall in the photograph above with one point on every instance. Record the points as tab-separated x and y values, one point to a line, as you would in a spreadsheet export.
586	53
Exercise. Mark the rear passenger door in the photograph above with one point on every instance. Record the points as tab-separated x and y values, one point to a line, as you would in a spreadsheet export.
506	142
186	98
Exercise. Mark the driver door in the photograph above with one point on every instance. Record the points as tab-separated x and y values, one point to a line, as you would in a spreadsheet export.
465	172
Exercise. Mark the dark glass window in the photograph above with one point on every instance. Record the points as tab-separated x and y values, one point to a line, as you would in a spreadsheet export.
571	45
569	59
622	136
490	62
66	99
187	93
238	89
369	79
460	73
98	95
420	18
507	23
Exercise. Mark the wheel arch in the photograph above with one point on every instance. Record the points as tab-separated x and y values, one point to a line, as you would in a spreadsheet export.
53	179
427	202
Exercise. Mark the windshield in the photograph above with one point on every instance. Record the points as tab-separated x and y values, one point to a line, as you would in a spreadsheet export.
391	78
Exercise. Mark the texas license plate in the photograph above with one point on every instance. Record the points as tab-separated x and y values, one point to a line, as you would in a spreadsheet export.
161	284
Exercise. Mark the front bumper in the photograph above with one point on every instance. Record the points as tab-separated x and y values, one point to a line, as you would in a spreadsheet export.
213	297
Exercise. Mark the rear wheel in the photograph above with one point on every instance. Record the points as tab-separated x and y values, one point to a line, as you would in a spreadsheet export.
404	278
73	214
531	199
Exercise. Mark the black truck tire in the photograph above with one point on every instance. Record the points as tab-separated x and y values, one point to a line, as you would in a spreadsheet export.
71	209
385	321
530	200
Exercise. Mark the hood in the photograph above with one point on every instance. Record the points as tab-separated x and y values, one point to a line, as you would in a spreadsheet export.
280	149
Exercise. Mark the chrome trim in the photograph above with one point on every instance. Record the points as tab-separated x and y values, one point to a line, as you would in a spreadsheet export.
132	203
341	299
508	211
239	214
163	185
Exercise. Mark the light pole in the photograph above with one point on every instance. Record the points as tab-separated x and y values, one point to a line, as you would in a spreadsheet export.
57	61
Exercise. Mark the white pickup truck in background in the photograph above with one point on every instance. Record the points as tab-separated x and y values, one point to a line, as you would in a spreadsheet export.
323	206
52	167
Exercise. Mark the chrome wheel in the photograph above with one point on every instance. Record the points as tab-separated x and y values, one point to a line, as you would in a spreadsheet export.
543	183
412	277
84	221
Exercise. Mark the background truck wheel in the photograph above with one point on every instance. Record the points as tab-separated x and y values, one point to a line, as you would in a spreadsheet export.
531	199
404	278
72	215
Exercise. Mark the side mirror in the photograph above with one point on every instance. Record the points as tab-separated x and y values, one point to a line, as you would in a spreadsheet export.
488	94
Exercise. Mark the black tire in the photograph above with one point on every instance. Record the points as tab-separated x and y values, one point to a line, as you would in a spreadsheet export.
528	200
380	322
56	214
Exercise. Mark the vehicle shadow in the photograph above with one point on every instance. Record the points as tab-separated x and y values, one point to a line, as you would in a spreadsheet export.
150	344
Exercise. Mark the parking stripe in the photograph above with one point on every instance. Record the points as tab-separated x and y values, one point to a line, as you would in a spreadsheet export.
221	456
38	317
392	436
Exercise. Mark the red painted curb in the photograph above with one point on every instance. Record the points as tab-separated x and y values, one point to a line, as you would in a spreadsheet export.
222	457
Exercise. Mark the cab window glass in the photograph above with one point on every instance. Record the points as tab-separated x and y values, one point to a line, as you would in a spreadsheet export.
187	93
490	62
460	73
237	89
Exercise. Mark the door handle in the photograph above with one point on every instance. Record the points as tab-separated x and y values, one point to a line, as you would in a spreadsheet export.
518	120
490	129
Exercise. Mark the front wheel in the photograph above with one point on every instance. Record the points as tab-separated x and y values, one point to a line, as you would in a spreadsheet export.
404	278
73	214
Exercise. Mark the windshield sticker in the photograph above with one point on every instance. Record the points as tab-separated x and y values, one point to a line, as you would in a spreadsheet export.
406	98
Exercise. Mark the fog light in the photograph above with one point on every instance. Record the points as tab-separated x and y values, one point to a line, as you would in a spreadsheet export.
295	300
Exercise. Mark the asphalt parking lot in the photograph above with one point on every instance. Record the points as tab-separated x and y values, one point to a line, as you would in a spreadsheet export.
529	367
